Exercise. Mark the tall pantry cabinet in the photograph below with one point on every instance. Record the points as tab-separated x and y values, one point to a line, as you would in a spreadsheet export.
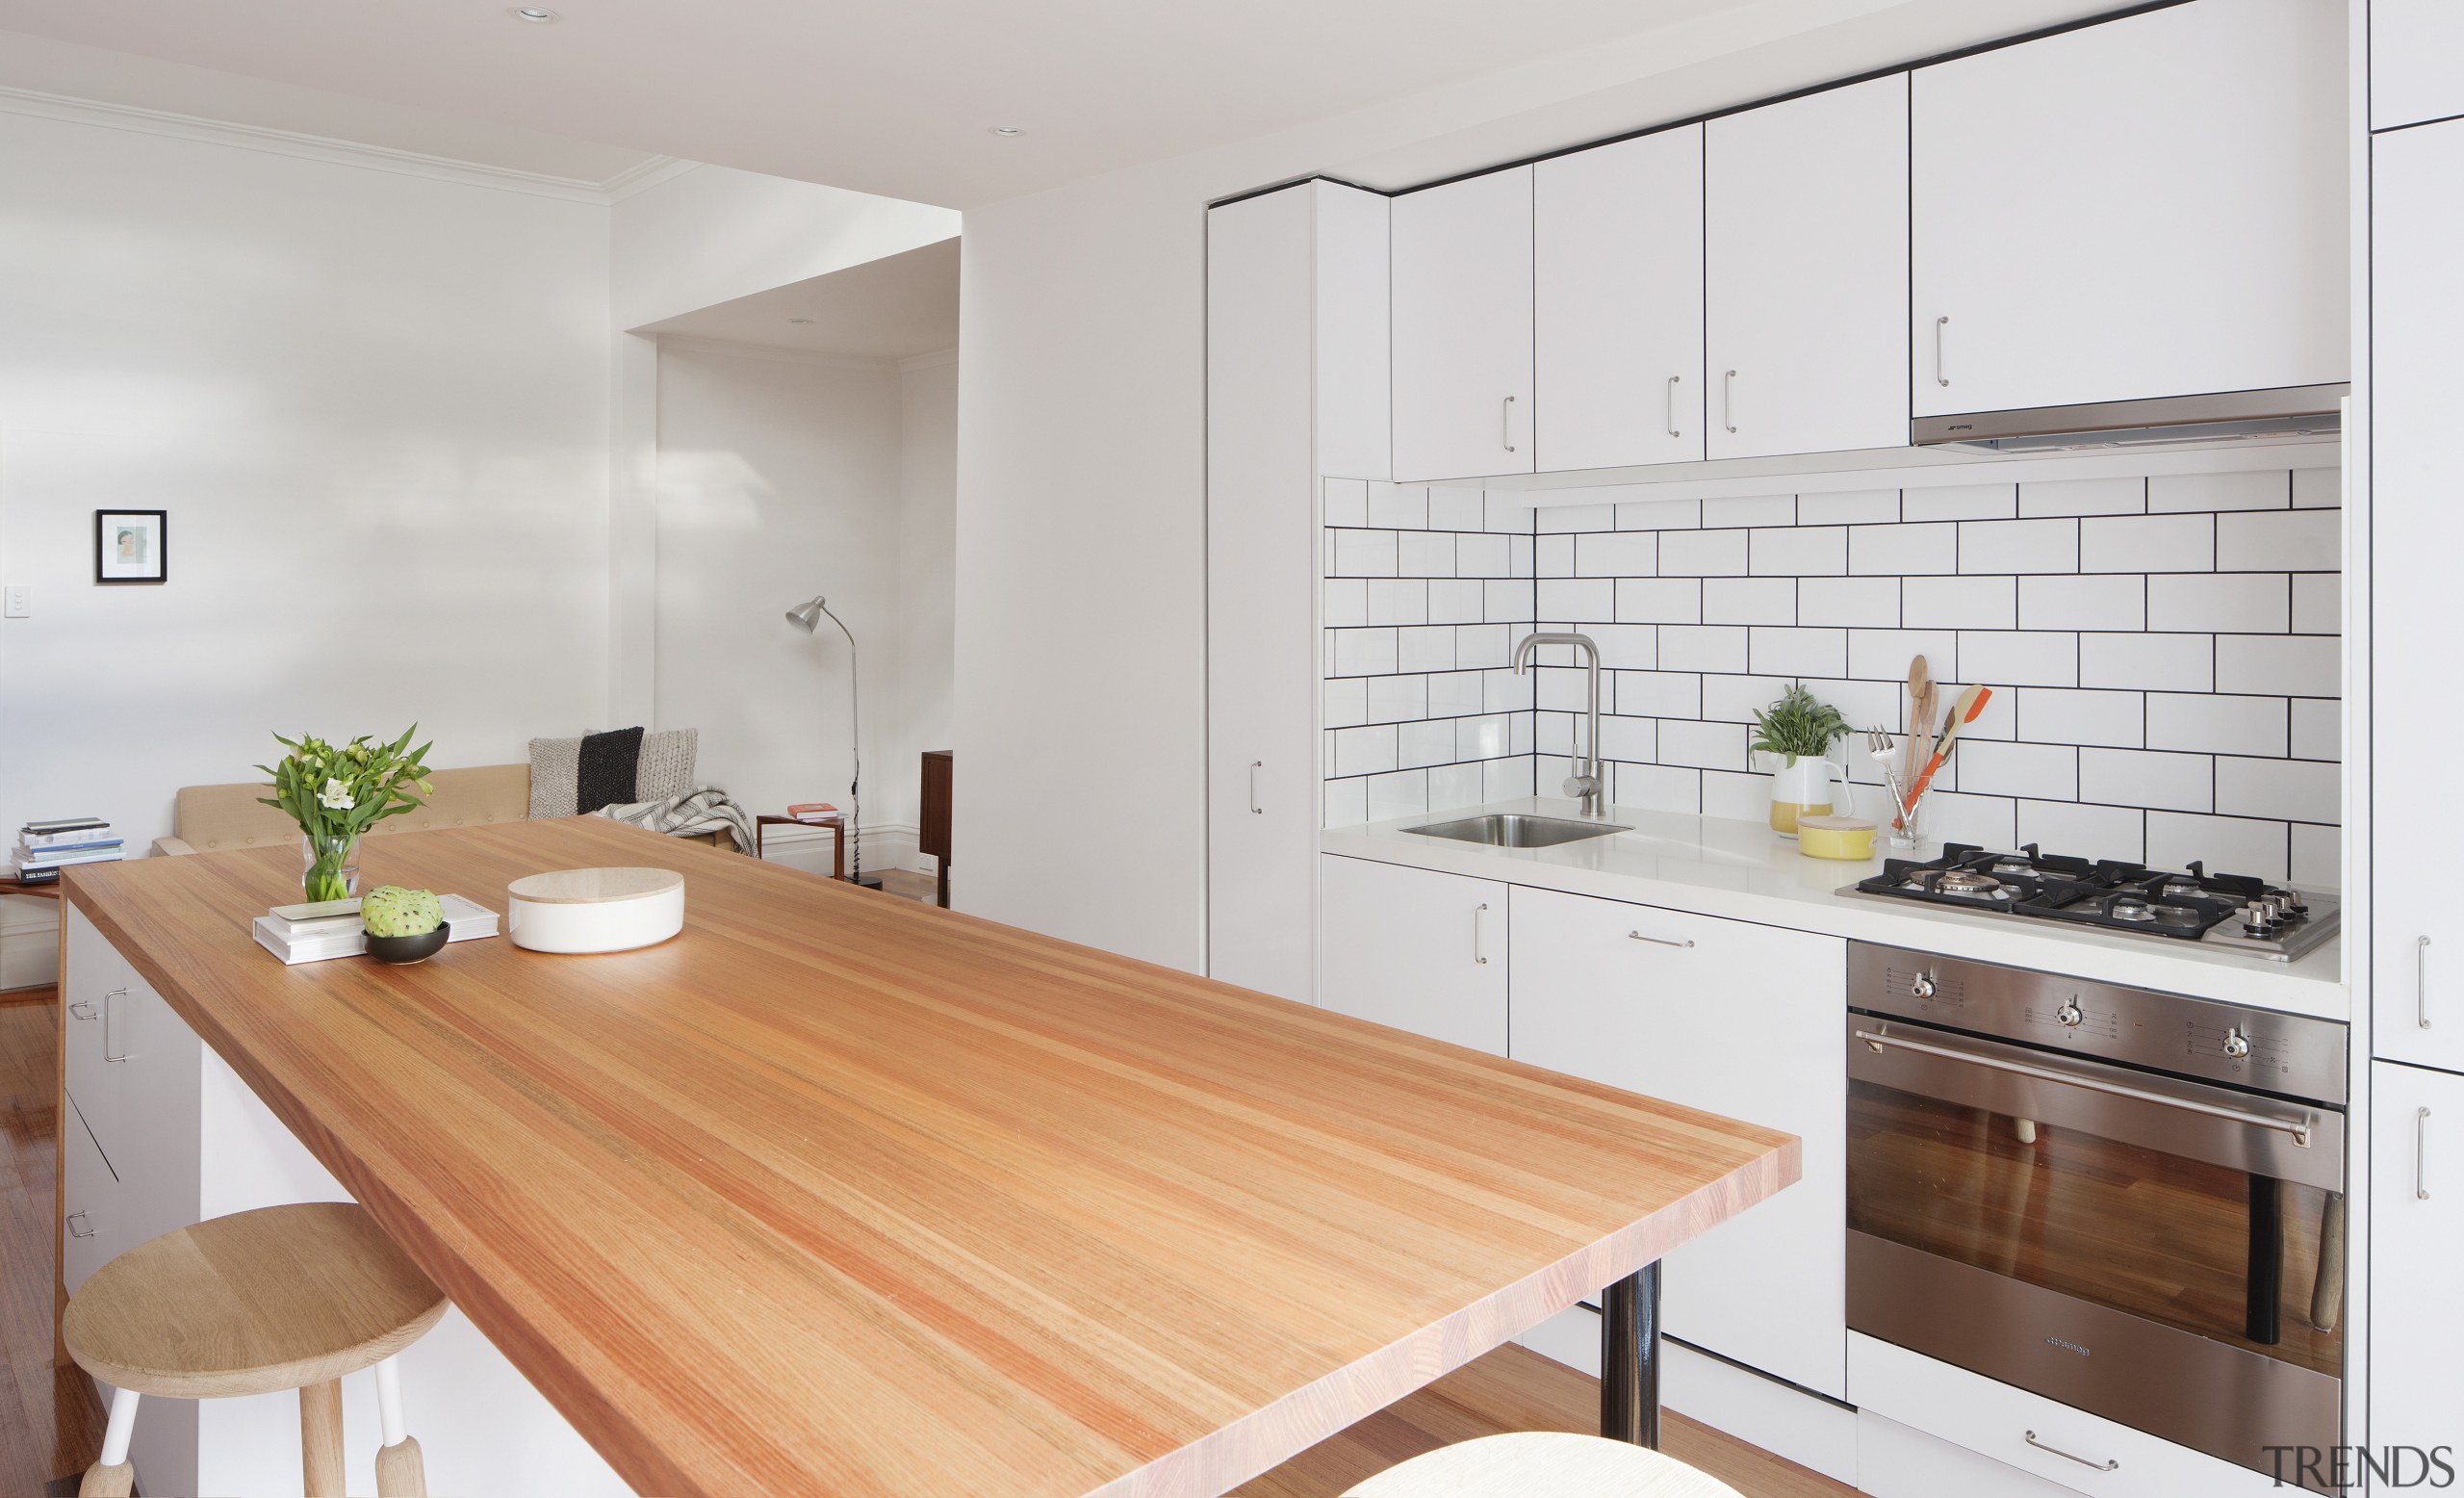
2415	534
1296	391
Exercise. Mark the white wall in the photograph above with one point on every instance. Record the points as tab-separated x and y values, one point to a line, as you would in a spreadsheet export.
780	477
375	406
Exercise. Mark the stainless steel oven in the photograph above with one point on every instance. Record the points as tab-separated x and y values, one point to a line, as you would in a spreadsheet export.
2128	1202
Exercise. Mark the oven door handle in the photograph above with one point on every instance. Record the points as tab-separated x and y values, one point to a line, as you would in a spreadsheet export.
2299	1128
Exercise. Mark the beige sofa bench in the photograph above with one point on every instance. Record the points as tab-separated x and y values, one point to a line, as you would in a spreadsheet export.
217	819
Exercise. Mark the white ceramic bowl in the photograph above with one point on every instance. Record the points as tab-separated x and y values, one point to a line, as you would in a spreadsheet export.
594	910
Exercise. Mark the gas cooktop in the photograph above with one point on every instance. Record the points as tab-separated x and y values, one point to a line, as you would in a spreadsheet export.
2233	911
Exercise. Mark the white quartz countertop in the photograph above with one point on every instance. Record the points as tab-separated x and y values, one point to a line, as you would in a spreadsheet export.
1744	871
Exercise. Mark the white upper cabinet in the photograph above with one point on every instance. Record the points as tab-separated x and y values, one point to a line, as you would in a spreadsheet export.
1806	296
2415	62
1617	303
2416	530
1462	299
2152	206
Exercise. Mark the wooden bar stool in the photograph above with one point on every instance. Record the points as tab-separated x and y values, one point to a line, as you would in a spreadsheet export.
281	1298
1543	1464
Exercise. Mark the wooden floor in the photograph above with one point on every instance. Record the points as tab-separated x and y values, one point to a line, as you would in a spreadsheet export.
51	1426
1513	1389
50	1423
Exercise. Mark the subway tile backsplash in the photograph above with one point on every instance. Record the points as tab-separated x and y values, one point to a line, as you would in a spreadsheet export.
2164	652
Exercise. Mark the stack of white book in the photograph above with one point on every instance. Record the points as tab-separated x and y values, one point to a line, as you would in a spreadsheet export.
312	933
45	848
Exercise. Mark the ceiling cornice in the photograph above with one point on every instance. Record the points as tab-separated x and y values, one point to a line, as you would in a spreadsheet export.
341	153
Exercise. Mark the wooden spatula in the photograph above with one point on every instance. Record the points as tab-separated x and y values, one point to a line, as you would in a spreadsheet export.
1920	721
1963	712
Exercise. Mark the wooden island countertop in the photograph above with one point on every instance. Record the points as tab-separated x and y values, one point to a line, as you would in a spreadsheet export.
840	1194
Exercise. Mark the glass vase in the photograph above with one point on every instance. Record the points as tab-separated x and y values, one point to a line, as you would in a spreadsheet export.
329	867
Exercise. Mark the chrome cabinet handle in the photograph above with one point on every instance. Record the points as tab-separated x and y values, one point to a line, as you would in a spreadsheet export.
2421	981
109	1009
1479	933
1728	400
80	1009
2109	1465
1505	424
2299	1128
1941	370
1255	810
76	1217
1672	405
1637	936
2421	1155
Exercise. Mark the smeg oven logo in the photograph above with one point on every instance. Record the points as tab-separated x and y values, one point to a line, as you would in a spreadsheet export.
2067	1347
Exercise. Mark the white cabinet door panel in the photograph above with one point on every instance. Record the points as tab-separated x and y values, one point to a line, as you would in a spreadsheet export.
1417	950
2417	530
1262	570
1734	1018
1462	298
1617	297
2415	62
2152	206
2416	1223
95	1232
1806	292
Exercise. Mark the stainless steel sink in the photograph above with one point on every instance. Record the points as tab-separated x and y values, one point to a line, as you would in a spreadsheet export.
1516	830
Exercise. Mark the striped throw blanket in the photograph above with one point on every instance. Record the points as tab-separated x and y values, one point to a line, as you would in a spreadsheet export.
703	810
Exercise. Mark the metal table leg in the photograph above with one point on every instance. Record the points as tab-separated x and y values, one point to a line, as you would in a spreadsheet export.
1629	1358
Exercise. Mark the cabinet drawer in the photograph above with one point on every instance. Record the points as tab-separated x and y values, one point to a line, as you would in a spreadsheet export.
1997	1420
91	1201
93	993
1733	1018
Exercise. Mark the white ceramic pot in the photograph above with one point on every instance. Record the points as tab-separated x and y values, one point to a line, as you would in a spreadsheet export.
594	910
1801	786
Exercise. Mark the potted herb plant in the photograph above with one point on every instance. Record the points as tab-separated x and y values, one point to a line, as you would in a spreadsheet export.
1798	731
336	795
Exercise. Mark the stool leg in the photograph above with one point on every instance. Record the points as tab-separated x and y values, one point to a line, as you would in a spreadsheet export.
401	1473
321	1438
111	1476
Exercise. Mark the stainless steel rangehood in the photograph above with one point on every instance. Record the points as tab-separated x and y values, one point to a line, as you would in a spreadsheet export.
2171	422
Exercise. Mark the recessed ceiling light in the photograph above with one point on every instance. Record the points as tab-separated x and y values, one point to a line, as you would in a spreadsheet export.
800	321
1007	130
532	14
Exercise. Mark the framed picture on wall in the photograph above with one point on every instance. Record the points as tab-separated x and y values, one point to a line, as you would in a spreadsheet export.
129	545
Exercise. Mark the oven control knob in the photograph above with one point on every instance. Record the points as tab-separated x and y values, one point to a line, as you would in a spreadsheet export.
1922	987
2070	1014
2236	1043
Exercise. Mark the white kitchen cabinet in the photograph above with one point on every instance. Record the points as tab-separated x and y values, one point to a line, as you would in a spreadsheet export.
2416	1221
2415	62
1806	291
1617	303
2416	533
1296	357
1462	338
1416	949
1733	1018
2152	206
92	1232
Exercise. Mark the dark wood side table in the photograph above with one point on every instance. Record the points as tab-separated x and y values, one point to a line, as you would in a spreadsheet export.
837	826
933	827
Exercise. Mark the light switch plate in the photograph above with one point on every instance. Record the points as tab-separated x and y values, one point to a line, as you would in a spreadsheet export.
20	602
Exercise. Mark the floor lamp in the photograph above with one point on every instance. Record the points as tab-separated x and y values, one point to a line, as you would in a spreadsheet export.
807	616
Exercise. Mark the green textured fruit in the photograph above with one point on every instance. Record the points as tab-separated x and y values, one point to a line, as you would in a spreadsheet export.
395	912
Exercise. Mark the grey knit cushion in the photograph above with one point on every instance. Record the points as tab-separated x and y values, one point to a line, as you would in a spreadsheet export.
666	769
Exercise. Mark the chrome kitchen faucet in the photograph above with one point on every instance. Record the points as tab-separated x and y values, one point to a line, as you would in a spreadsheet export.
1584	784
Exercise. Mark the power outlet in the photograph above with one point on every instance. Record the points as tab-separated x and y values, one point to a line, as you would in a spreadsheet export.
21	603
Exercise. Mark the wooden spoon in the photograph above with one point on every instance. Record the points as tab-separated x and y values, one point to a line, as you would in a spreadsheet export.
1919	716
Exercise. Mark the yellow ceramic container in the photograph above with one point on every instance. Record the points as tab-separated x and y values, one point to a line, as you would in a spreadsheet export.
1850	839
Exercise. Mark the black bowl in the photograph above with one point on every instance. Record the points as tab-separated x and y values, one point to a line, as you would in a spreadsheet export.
403	950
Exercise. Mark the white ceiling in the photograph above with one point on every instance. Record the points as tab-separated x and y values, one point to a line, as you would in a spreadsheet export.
42	64
892	308
895	100
899	99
